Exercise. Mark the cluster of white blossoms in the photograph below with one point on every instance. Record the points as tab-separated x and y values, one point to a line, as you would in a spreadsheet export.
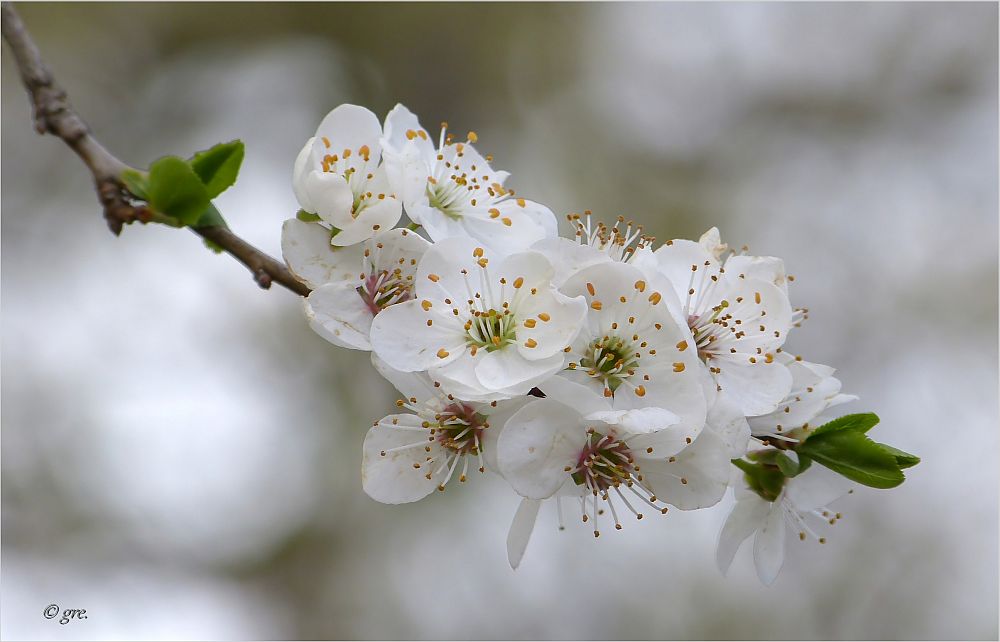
598	370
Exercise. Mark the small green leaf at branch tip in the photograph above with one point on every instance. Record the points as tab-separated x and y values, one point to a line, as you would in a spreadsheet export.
136	182
211	218
413	227
859	422
855	456
175	190
307	217
219	166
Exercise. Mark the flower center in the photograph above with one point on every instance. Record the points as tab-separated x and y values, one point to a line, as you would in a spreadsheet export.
491	330
382	289
604	462
461	429
611	360
449	196
708	330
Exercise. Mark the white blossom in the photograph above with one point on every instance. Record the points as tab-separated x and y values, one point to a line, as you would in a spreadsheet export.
631	349
737	322
802	501
408	455
338	177
574	444
484	330
360	280
451	190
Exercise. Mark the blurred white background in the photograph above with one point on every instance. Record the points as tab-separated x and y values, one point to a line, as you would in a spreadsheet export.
181	453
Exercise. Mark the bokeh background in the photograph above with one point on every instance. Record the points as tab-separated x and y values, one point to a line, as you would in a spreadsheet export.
181	453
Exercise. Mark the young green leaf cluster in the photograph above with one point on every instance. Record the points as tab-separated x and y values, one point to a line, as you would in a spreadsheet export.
182	189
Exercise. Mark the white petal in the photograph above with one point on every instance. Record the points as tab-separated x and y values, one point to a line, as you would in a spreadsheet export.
416	385
381	215
348	127
497	418
727	421
765	268
307	251
537	444
662	438
520	530
498	237
392	478
440	273
557	321
640	421
757	388
395	136
400	336
573	395
301	169
675	260
507	370
569	257
338	314
747	516
704	466
535	212
816	488
331	197
769	545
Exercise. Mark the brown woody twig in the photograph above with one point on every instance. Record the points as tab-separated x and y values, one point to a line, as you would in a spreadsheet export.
54	115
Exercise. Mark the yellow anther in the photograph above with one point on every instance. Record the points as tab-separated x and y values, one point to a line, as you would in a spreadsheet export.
529	323
678	366
442	354
544	316
530	343
478	252
596	305
326	142
518	282
506	221
482	262
434	277
472	137
410	134
494	212
640	286
426	305
640	391
654	298
521	202
682	345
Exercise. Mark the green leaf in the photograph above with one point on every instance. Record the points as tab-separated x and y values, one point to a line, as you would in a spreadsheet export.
903	459
785	464
175	190
136	182
854	456
307	217
765	480
210	217
219	166
861	422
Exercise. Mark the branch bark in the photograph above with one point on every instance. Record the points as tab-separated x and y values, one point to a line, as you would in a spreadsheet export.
53	114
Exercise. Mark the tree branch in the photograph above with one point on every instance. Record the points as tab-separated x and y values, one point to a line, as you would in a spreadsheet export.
53	114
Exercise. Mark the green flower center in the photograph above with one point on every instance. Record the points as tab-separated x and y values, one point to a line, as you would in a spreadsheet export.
610	359
491	330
